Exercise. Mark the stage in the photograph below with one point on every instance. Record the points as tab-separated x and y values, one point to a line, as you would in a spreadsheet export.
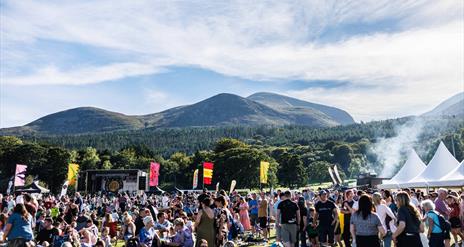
120	180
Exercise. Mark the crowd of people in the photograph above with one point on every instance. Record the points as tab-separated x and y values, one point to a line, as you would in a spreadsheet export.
336	217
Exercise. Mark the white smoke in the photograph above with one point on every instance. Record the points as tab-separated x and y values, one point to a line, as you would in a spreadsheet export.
390	151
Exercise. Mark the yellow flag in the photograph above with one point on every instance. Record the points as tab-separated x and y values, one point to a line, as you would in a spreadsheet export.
73	170
264	167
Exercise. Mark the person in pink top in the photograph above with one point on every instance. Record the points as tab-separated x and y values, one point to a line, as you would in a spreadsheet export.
244	217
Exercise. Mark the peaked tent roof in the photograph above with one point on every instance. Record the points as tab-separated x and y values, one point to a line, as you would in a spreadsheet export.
453	178
34	187
411	167
442	163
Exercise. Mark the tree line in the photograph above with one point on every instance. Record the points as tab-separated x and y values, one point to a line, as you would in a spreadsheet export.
297	155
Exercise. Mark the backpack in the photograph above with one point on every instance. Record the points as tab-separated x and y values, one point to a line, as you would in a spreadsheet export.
133	242
444	224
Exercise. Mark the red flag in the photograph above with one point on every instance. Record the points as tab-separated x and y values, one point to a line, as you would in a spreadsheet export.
207	172
154	173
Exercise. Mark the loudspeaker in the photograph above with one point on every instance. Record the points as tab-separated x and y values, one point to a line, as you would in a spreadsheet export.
142	183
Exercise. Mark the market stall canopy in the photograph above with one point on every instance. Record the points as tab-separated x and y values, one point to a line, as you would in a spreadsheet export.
453	179
410	169
34	187
442	163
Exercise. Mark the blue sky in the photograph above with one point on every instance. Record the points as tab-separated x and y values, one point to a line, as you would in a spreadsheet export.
375	59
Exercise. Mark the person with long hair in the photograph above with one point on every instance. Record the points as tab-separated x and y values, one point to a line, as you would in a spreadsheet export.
453	203
19	225
128	228
365	224
204	223
389	201
410	226
221	216
3	219
244	216
387	217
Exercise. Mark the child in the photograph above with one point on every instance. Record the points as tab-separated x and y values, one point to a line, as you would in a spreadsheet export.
312	231
105	236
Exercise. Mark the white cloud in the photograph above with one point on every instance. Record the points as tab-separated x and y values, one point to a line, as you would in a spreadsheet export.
409	69
85	75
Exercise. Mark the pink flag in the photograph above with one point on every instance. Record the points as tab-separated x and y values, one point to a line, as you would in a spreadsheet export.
154	173
20	175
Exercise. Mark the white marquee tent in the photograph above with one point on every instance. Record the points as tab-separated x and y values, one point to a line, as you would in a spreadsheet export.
442	164
454	178
410	169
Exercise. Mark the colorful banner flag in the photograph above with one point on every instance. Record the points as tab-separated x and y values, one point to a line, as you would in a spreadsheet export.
334	181
195	179
207	172
337	175
154	174
10	185
20	175
73	170
264	167
232	186
64	189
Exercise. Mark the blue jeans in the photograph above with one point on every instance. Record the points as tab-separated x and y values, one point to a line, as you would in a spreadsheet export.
387	240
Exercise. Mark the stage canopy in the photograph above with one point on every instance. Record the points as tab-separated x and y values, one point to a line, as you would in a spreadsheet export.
454	178
410	169
442	163
32	188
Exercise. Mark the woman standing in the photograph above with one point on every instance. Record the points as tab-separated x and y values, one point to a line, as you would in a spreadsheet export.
244	217
19	226
453	203
409	224
365	225
222	217
390	202
204	223
384	212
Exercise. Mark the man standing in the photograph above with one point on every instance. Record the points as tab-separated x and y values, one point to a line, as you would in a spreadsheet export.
262	215
253	204
442	207
288	217
346	210
327	214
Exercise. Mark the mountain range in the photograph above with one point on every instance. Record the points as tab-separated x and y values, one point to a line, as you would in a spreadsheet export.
452	106
220	110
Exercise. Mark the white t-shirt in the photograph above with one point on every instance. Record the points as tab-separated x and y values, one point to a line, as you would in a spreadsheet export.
415	202
382	211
